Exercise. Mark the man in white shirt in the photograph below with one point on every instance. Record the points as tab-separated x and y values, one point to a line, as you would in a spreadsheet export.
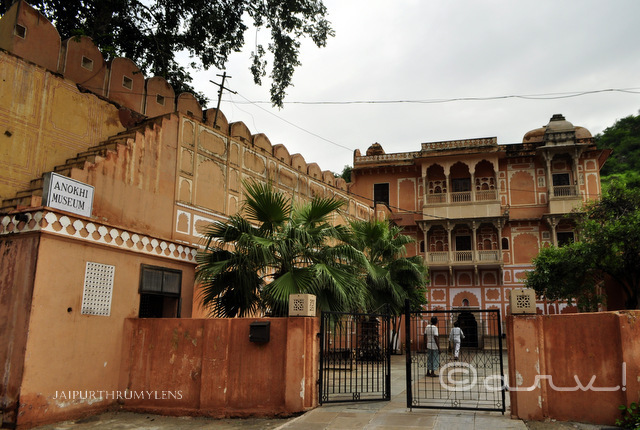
456	337
433	347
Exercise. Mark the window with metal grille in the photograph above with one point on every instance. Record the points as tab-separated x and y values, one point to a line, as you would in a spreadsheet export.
381	193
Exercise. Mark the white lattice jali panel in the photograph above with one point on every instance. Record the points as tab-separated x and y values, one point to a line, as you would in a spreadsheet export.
523	301
302	305
98	287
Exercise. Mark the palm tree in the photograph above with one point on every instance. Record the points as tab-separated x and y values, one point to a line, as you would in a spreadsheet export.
253	263
392	277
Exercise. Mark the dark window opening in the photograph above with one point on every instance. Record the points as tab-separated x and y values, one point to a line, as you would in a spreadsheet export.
565	238
159	292
461	185
560	179
505	243
422	246
21	31
160	99
463	243
87	63
127	82
381	193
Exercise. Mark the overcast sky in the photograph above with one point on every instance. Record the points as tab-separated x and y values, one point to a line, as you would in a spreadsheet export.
428	50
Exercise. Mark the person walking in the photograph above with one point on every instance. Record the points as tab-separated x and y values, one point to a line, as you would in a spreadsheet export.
433	347
455	336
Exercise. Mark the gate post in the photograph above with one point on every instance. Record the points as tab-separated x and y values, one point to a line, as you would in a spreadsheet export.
407	336
321	335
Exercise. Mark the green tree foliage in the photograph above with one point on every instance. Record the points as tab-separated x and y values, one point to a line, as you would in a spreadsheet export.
152	32
255	262
567	273
610	244
346	173
624	139
391	277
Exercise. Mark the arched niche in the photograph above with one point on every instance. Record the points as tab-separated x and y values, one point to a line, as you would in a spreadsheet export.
522	188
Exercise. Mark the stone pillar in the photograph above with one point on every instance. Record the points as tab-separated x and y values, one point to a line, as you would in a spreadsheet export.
474	242
473	186
449	229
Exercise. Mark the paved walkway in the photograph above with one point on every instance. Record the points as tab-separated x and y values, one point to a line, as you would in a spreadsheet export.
394	414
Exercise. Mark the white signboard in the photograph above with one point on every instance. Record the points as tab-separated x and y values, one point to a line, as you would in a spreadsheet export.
60	192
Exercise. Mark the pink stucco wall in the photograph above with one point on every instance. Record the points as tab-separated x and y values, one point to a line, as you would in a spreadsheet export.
209	367
578	367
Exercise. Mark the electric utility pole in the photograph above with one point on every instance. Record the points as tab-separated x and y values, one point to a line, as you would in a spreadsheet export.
222	88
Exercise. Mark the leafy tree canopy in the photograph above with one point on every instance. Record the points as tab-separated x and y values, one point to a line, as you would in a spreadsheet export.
152	32
624	139
610	244
346	173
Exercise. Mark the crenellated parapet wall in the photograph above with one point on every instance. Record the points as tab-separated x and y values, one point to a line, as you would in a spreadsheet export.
62	87
26	33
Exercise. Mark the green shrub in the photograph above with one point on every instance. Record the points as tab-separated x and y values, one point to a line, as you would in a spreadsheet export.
630	416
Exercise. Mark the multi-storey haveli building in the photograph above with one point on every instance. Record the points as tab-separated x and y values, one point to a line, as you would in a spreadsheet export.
481	211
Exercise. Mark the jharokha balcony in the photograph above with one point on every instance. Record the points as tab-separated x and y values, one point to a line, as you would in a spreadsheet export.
565	191
474	242
444	258
463	197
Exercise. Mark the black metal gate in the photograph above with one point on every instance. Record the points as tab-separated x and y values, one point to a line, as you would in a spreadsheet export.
355	360
474	379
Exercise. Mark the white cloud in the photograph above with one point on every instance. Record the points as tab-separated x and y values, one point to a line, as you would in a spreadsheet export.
416	50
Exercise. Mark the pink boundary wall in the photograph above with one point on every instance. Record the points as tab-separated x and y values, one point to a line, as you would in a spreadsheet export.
558	356
209	367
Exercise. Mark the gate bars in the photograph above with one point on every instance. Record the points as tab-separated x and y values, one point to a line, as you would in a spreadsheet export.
475	380
355	358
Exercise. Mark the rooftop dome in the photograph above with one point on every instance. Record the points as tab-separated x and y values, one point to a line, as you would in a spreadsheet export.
375	149
583	133
559	124
536	135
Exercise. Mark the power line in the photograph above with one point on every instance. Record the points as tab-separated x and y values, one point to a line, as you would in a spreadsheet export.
543	96
295	125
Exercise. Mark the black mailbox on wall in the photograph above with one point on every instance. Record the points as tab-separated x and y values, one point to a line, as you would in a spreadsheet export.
259	331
